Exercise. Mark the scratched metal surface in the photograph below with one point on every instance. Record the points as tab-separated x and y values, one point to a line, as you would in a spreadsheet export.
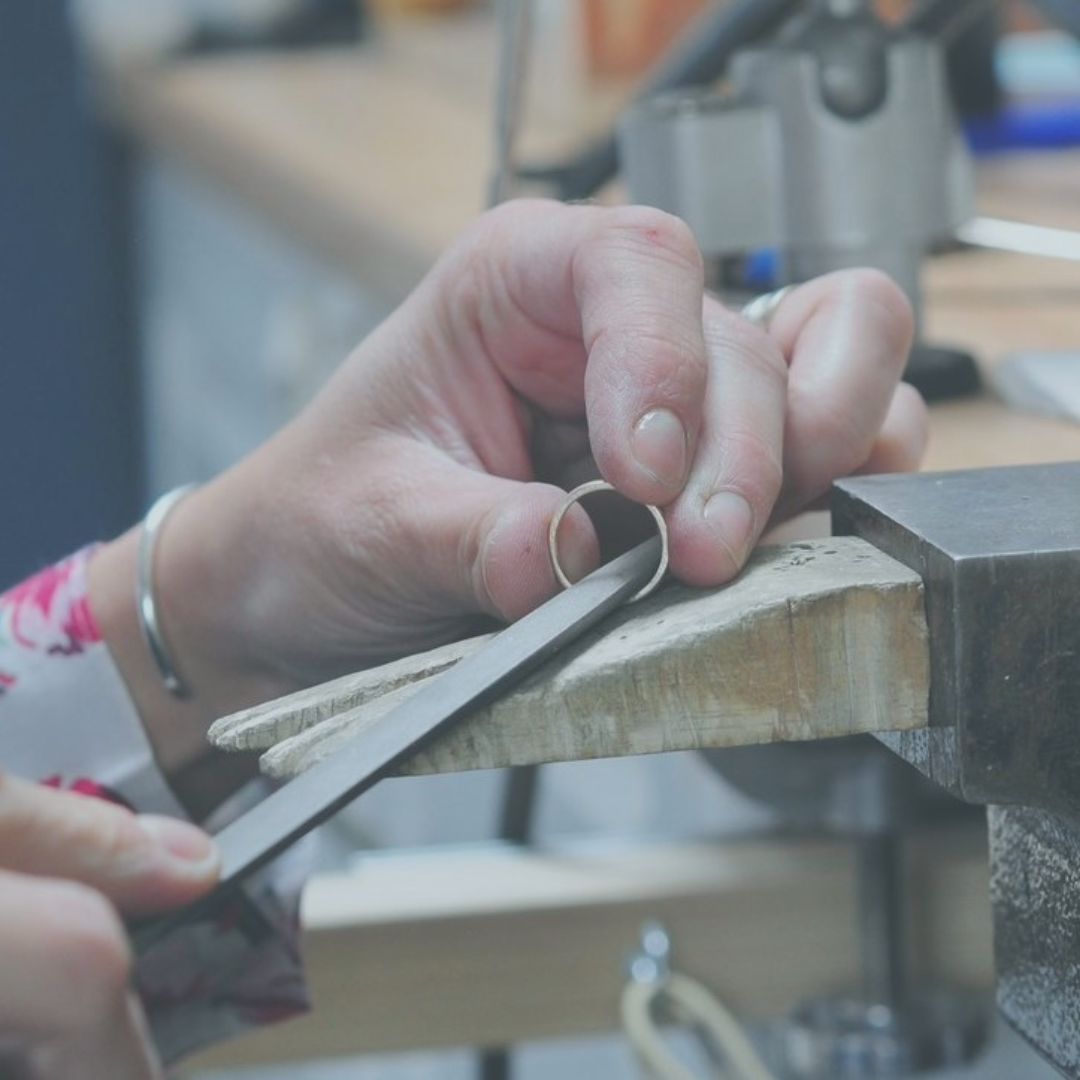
1035	892
997	550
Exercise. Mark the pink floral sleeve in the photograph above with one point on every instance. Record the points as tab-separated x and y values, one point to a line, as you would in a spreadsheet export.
66	720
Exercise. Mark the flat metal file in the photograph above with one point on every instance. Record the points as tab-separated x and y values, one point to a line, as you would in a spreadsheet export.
278	821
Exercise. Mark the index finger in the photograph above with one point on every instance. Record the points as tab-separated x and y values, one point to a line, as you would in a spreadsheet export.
142	863
640	286
593	311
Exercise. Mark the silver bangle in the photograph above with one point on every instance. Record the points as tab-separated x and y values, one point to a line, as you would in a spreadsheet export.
144	594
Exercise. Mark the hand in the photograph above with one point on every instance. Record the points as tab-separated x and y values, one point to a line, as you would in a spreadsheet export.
416	491
65	860
549	342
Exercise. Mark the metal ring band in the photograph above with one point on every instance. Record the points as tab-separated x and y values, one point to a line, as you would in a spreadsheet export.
761	309
579	493
144	597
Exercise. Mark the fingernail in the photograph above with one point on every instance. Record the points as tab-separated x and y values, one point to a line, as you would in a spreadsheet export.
186	843
732	520
660	447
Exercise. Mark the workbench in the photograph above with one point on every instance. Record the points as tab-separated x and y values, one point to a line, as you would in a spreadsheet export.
367	161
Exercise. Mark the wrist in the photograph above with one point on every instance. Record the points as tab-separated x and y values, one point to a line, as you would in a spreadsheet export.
146	592
195	608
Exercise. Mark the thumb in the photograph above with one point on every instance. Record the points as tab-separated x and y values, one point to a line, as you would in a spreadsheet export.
514	557
441	539
143	863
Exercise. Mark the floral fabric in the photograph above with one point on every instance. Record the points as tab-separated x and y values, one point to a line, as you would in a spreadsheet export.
67	721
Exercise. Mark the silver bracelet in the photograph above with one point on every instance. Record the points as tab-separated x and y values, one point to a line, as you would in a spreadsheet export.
144	594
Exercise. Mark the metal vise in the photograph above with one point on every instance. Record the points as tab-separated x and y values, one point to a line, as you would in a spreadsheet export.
999	554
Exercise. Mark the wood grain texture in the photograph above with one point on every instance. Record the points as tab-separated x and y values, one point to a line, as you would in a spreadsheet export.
815	639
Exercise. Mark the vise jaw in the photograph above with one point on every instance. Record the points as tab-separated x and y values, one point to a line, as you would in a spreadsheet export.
999	554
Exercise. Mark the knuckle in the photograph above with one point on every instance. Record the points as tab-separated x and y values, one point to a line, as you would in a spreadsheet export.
108	837
21	827
762	474
768	360
73	835
735	344
659	232
873	284
658	335
121	846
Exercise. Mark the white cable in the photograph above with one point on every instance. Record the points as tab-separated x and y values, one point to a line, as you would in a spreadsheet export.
1021	237
690	1004
652	1051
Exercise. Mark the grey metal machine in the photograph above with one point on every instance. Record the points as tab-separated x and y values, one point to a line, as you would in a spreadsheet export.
998	551
999	554
832	144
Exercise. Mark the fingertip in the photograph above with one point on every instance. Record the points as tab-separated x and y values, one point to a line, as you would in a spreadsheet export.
185	848
711	540
904	436
909	415
731	521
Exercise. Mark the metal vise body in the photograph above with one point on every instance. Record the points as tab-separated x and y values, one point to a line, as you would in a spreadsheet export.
999	554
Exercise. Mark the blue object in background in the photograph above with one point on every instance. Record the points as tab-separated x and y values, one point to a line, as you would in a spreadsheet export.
69	441
1033	125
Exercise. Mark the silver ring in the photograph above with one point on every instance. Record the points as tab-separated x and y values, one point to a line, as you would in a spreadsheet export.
761	309
588	489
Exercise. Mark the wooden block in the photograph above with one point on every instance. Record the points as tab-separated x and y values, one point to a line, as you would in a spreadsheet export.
815	639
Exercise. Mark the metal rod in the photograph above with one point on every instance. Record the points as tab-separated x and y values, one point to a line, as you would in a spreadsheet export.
515	32
881	914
